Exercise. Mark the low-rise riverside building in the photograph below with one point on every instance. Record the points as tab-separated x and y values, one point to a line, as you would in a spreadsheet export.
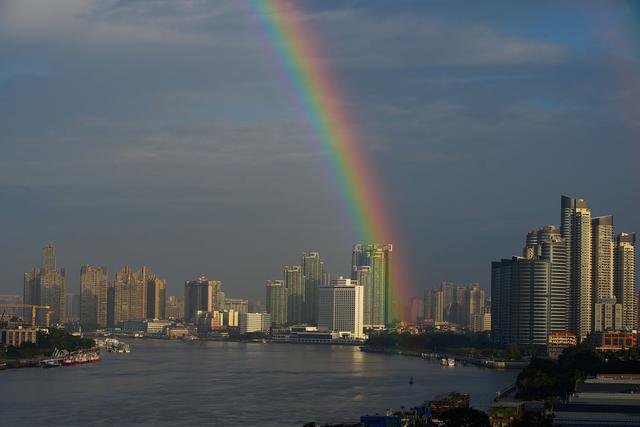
15	334
303	334
614	340
254	322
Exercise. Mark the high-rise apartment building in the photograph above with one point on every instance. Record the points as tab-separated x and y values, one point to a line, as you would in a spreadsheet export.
530	293
341	307
201	294
128	297
277	302
448	299
72	307
294	283
156	298
46	286
433	305
576	231
137	295
94	285
607	313
625	278
474	303
313	272
378	293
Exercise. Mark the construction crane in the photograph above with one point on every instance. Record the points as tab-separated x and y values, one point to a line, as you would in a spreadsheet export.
33	308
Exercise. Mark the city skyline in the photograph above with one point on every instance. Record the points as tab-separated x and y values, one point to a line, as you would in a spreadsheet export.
443	128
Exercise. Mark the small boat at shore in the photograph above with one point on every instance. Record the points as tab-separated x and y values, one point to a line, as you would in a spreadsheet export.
50	363
449	362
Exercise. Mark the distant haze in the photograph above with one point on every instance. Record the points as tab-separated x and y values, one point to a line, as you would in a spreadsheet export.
160	133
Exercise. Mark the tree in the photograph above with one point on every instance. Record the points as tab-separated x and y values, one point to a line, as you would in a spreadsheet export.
465	417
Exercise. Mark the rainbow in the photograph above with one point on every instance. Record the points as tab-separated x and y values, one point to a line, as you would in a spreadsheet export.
322	99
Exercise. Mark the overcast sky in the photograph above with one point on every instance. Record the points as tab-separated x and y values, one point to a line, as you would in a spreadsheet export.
161	133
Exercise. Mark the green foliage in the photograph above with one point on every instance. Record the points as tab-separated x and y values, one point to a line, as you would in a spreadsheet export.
534	420
465	417
237	336
546	379
473	344
46	343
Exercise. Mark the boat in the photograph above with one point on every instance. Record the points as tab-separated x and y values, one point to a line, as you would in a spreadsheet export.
447	362
50	363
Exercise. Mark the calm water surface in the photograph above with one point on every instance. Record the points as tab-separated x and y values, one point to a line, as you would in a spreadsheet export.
232	384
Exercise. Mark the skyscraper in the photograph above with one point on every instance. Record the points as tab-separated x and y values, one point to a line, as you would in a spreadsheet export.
277	302
201	294
607	314
474	302
379	299
340	307
530	294
448	300
94	283
625	278
313	271
47	285
156	298
433	305
294	282
363	277
576	231
128	297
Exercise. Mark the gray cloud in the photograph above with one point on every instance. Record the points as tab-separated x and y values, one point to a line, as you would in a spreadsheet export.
162	132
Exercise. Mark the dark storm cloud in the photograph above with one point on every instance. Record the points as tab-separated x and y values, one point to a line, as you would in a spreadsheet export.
160	132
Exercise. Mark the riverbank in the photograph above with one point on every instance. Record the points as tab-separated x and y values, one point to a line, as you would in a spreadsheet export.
487	363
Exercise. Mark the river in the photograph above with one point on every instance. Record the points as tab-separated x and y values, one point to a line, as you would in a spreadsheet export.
163	383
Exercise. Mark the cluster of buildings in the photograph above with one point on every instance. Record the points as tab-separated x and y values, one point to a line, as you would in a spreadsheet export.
306	296
573	282
132	295
205	305
465	306
136	299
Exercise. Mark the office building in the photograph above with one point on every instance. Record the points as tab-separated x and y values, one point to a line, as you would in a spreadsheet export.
94	283
378	295
277	302
341	307
294	283
576	231
625	278
46	286
313	272
254	322
201	294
